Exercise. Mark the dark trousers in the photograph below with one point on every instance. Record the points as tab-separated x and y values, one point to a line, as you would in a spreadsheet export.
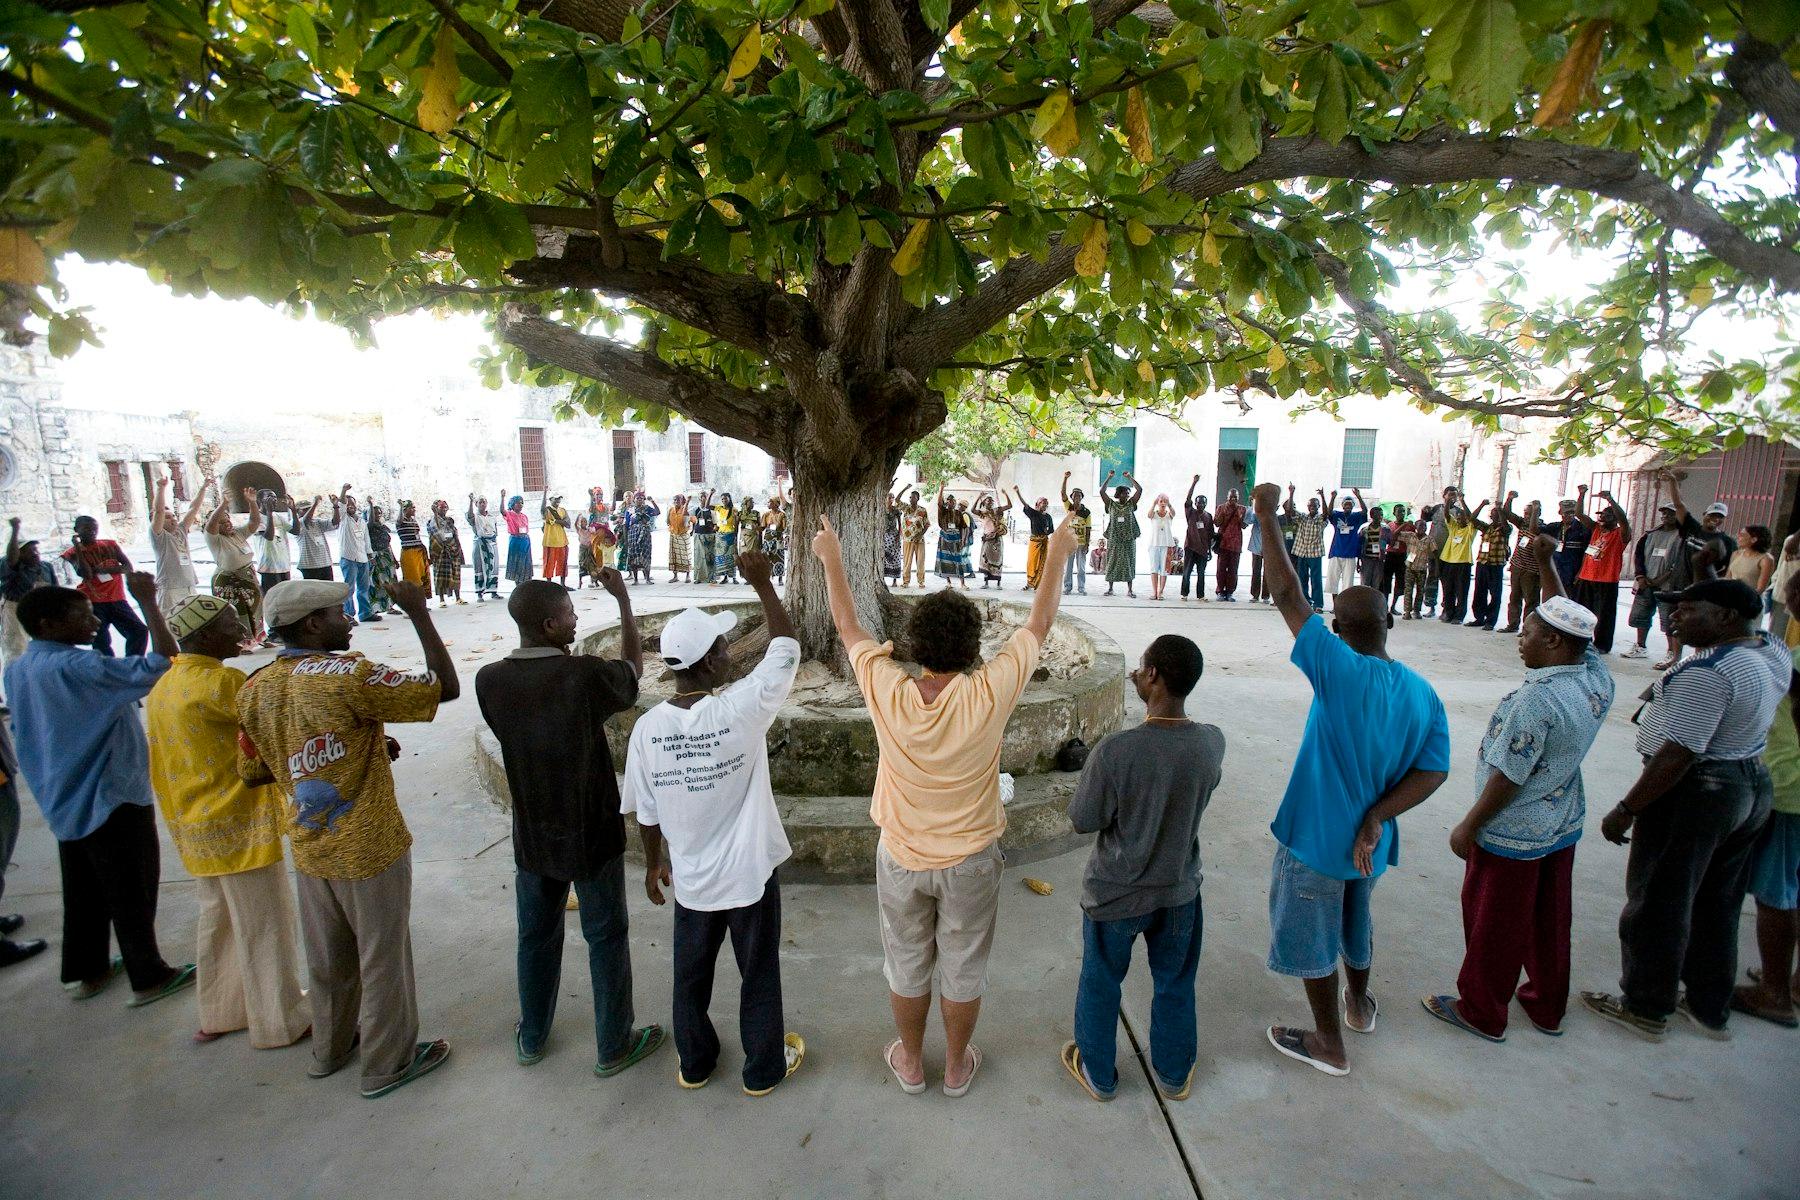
269	579
1602	599
1193	564
1685	886
1228	572
1522	600
1516	916
1172	944
1490	582
1455	580
109	881
541	907
117	614
9	823
755	932
315	572
1258	589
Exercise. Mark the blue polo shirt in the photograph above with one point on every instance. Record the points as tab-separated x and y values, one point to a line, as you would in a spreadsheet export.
80	744
1372	721
1346	533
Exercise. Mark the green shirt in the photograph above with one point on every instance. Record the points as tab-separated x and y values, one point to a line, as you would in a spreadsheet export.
1782	756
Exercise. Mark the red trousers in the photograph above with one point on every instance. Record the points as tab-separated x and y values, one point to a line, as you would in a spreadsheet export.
1515	917
1228	565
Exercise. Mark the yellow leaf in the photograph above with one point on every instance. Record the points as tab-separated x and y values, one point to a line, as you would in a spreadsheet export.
1611	311
1137	232
1574	77
1701	295
1054	108
912	250
1064	136
437	87
1038	886
1277	357
749	53
1090	260
1145	371
1498	320
956	35
345	84
1209	249
1137	126
1527	342
1087	367
22	260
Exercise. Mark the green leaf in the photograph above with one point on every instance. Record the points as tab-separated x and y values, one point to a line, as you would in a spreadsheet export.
623	162
843	236
712	241
936	14
1477	50
105	38
320	139
490	234
549	92
302	32
386	174
1331	108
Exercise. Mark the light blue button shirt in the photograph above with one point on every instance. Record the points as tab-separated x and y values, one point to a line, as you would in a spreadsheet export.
80	744
1538	737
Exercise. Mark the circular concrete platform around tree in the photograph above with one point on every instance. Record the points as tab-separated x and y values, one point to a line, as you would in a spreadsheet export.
822	752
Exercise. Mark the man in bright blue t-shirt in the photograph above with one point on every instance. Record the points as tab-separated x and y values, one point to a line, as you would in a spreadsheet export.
1377	743
1346	540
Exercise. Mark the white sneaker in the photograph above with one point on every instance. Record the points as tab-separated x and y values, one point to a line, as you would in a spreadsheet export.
1634	652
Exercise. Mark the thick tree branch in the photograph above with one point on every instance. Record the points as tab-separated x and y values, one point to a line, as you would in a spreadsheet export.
1758	73
880	53
735	308
1424	162
749	416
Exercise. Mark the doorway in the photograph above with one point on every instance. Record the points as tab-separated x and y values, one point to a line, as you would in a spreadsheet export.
625	476
1237	463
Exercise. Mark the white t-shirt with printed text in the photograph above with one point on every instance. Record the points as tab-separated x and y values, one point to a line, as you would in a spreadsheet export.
701	775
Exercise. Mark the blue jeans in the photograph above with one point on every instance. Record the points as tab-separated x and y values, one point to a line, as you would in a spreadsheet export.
1312	579
356	604
1316	919
1077	564
541	903
1172	940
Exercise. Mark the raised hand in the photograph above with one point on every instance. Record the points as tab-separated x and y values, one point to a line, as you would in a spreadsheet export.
754	567
825	545
410	598
142	586
1265	496
613	582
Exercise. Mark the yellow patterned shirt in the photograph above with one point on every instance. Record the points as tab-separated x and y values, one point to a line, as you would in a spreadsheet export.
220	824
315	721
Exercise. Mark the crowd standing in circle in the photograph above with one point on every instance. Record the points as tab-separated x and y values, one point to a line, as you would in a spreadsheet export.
300	750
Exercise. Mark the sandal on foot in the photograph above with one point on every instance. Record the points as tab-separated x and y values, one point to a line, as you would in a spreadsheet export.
1178	1093
794	1050
203	1037
974	1067
644	1043
1444	1009
1071	1061
1609	1007
526	1058
1292	1043
428	1057
180	981
1374	1010
911	1089
87	989
1741	1001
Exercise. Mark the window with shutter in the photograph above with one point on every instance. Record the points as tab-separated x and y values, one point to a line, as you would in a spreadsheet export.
532	471
118	499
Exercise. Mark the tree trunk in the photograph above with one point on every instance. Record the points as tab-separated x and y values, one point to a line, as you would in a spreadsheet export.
856	507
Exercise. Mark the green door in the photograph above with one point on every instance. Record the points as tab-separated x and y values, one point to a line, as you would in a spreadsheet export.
1119	454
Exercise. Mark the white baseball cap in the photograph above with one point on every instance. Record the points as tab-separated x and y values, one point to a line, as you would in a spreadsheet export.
1718	510
690	634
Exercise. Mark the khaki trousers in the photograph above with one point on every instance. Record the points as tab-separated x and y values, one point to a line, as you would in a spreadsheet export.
915	557
359	953
248	958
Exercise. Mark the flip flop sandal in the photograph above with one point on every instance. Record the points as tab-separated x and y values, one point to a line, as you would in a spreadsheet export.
82	990
794	1050
316	1071
645	1042
1740	1003
1374	1010
1444	1009
1546	1030
428	1057
203	1036
1181	1093
911	1089
974	1069
1291	1043
1071	1061
184	979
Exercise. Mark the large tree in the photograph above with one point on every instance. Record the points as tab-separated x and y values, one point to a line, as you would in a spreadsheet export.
982	432
802	222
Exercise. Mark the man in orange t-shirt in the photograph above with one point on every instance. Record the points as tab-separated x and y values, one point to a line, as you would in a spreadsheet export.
937	800
1597	583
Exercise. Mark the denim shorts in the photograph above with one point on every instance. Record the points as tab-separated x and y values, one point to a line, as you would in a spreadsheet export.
1316	920
1775	871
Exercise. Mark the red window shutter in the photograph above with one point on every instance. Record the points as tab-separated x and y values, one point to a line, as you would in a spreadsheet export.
178	480
696	458
781	470
624	439
117	497
532	469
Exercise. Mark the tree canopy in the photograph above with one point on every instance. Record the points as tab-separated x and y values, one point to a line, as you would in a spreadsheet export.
804	222
983	432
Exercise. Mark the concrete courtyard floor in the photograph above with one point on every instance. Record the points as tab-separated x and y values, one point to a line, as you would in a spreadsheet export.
98	1101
